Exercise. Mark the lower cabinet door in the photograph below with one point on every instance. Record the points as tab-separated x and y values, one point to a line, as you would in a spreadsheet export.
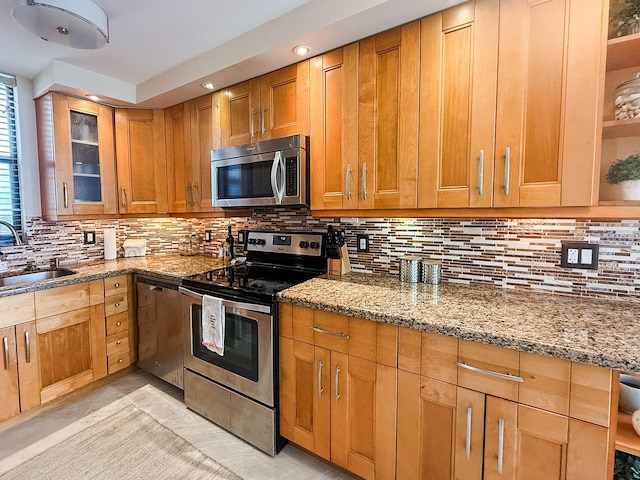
28	365
426	428
469	450
304	396
9	394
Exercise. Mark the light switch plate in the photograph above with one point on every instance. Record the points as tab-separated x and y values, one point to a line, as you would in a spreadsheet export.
89	237
579	255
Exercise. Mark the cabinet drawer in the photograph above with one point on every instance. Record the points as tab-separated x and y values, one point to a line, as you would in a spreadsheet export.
116	304
117	342
115	285
17	309
117	323
481	363
118	361
331	331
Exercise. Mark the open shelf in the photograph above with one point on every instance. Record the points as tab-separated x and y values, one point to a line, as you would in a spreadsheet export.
621	128
623	52
627	440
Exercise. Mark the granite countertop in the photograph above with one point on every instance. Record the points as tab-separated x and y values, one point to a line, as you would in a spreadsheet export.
170	267
600	332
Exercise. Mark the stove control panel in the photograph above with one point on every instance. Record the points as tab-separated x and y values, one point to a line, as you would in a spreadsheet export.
309	244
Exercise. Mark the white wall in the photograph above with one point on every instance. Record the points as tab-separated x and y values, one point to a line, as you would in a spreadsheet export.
28	150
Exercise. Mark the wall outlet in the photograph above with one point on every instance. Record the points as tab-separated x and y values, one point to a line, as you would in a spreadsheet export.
89	237
579	255
208	236
363	243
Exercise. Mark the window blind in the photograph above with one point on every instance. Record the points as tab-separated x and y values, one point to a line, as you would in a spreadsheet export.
9	183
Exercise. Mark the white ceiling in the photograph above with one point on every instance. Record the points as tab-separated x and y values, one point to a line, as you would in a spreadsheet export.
160	51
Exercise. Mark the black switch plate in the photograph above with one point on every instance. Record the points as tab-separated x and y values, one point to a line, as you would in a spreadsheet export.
363	243
89	237
579	255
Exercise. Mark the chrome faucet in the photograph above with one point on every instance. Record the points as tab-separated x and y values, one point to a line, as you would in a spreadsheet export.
16	235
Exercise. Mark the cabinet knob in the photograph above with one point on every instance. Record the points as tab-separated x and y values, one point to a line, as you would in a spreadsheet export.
118	342
120	361
118	324
117	285
117	304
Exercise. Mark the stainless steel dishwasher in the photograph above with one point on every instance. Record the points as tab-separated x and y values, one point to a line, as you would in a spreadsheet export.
160	346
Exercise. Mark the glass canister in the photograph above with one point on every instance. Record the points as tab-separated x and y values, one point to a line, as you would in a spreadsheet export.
190	245
627	99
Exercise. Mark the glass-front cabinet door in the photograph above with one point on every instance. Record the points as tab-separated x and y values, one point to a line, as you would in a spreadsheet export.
77	157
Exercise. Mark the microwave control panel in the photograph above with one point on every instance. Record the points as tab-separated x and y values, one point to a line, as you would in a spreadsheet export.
291	176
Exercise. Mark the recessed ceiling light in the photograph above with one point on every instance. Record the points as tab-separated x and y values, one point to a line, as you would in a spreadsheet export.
209	85
301	50
94	98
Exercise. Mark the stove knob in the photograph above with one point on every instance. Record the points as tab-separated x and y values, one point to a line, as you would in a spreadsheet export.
251	241
314	245
303	244
261	241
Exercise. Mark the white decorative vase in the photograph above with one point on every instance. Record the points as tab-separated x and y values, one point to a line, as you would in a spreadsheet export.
630	189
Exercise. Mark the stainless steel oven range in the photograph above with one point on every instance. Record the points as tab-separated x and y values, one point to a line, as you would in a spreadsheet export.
239	390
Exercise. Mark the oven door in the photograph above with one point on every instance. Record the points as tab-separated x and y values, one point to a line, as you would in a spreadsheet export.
247	364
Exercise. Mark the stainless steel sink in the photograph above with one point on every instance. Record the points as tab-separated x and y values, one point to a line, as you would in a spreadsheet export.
36	276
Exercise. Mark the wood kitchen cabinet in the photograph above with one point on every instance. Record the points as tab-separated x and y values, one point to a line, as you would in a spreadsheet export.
70	332
77	157
338	389
533	421
271	106
141	161
192	131
388	118
525	77
335	182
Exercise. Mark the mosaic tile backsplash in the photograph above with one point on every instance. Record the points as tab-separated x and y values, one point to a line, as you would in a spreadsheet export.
522	254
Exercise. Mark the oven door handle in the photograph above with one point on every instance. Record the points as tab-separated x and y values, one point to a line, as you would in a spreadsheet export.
252	307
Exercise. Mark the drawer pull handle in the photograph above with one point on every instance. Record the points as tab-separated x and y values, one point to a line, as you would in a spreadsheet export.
504	376
500	444
467	443
120	360
117	285
320	389
27	347
326	332
5	345
118	324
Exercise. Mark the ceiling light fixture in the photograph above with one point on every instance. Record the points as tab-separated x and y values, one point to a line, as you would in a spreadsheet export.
94	98
70	23
209	85
301	50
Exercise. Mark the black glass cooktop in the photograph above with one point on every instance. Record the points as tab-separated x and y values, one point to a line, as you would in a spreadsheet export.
259	282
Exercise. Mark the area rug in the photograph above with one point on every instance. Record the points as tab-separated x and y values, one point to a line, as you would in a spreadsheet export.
129	444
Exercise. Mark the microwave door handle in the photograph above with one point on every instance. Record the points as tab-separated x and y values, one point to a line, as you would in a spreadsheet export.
277	165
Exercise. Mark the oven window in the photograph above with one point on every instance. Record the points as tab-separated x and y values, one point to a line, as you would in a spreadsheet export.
245	180
240	344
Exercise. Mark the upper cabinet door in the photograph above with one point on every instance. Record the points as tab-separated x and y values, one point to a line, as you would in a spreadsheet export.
142	165
238	110
388	118
458	79
334	129
177	121
284	102
205	136
549	82
274	105
77	157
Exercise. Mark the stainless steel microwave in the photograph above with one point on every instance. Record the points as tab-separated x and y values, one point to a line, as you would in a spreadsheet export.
270	172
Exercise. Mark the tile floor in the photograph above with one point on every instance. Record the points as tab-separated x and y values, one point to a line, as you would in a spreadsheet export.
164	403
